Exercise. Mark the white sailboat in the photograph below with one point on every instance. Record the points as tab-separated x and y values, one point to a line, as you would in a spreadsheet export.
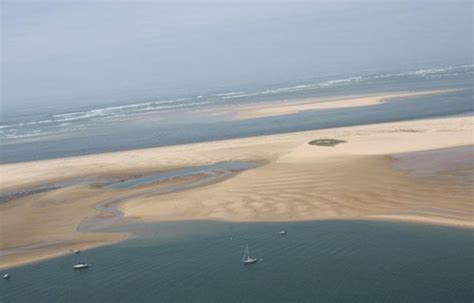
80	265
6	276
247	259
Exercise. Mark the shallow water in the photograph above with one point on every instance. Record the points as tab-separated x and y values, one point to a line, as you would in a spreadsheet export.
8	196
218	169
212	171
326	261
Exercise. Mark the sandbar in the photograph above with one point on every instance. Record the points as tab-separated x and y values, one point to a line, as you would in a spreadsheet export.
296	181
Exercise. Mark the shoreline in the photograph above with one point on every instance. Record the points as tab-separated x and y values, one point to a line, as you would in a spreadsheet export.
298	182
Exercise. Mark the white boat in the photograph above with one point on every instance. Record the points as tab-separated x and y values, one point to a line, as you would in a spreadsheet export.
6	276
81	265
247	259
282	232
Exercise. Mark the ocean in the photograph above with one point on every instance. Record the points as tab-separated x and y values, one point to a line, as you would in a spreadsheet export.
163	121
325	261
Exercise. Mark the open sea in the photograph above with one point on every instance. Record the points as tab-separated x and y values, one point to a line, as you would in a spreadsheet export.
325	261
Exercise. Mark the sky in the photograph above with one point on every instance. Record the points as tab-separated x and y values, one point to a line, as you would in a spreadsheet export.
60	54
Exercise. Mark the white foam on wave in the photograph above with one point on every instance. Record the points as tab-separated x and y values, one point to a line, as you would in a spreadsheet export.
169	107
39	122
300	87
429	72
422	73
99	112
341	81
34	133
230	94
86	115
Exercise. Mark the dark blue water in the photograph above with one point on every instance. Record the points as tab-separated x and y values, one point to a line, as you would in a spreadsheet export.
327	261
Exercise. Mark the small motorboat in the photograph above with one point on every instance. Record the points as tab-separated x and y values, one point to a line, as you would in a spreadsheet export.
6	276
282	232
81	265
247	259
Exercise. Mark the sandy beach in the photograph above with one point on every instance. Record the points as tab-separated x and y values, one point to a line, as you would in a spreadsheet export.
358	179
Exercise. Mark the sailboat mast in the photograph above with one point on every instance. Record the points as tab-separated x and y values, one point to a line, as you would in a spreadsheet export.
246	253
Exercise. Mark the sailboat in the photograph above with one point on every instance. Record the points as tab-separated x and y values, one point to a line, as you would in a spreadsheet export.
247	259
80	265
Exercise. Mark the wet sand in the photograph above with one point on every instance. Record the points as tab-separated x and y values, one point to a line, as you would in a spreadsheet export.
355	180
454	164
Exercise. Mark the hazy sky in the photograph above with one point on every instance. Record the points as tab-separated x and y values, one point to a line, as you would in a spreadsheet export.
84	52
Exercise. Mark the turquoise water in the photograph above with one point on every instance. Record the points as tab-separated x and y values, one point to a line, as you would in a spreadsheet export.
328	261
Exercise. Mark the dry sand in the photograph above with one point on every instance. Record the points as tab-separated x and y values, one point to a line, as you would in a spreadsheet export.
353	180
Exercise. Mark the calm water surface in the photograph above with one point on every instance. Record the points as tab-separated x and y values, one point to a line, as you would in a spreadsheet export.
329	261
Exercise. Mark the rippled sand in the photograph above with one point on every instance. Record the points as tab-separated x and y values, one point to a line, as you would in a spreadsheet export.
339	187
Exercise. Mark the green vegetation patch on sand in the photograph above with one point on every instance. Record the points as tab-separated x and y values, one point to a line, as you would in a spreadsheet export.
326	142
